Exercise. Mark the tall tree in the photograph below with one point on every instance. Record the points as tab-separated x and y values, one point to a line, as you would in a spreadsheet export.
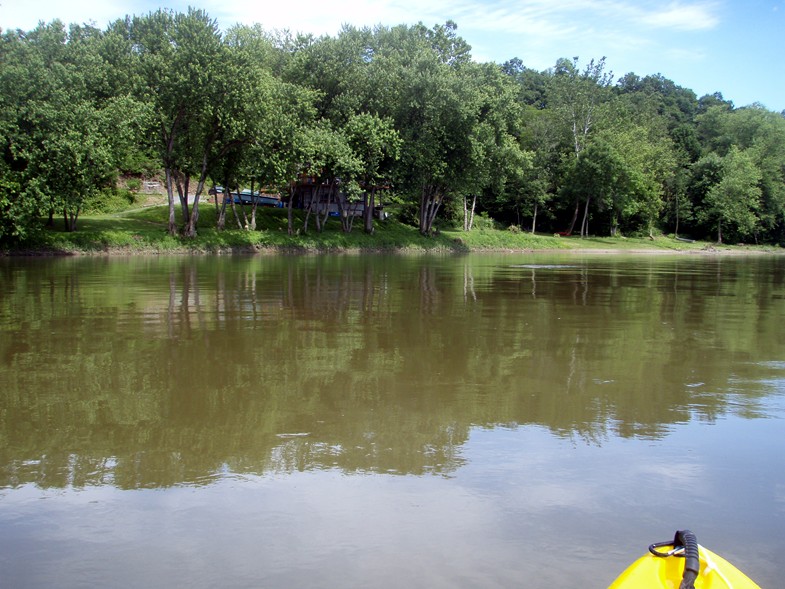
598	178
67	137
26	85
578	97
761	135
416	74
335	167
640	136
182	63
498	165
248	122
376	144
734	201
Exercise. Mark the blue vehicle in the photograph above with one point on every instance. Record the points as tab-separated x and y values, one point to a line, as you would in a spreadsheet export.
246	197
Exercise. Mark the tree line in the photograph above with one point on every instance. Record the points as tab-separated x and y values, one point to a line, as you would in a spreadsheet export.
401	109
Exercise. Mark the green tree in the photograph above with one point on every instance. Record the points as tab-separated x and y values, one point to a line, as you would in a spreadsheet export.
579	96
735	199
183	77
66	133
418	82
336	68
376	144
248	119
498	166
598	178
761	134
335	166
83	153
640	136
25	87
541	187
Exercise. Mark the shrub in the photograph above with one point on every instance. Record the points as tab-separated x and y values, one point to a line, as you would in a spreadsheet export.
483	221
109	200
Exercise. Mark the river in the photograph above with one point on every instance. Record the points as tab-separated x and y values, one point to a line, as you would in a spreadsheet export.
517	420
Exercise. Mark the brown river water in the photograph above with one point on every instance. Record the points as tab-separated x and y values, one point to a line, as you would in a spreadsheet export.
387	421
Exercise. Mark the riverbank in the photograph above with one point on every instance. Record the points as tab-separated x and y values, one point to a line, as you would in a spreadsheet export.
142	231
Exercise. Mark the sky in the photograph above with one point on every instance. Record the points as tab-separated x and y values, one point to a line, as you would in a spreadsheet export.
735	47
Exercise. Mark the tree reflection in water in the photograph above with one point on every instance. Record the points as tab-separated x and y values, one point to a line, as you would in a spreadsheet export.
152	373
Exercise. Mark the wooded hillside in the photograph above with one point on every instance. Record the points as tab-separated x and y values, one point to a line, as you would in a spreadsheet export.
401	109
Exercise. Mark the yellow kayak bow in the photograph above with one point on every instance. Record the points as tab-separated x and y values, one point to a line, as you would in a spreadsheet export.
682	564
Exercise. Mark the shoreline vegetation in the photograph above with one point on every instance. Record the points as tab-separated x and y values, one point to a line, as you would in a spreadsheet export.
143	231
391	120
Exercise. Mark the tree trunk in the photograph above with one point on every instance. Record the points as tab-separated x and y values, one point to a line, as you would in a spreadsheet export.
170	197
244	220
221	223
220	211
254	204
182	182
585	223
69	219
193	218
430	201
168	137
346	212
348	222
234	209
676	231
321	223
289	218
471	213
534	217
574	215
369	200
423	204
308	214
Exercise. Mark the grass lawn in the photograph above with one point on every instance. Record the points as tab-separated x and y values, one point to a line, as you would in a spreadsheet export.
143	230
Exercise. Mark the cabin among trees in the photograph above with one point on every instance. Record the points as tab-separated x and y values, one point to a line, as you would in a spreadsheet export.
320	200
328	198
333	198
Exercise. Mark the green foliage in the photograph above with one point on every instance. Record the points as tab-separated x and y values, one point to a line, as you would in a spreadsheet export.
109	200
400	109
735	199
484	222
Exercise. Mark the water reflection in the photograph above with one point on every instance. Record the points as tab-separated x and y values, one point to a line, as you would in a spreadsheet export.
153	373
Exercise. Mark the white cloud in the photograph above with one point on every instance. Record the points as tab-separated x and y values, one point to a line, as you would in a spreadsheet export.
689	17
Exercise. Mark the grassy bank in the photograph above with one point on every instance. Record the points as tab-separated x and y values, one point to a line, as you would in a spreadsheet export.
143	231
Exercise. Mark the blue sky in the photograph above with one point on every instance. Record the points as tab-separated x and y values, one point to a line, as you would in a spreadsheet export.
731	46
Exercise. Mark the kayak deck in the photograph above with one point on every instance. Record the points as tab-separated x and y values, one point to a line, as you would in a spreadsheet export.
651	572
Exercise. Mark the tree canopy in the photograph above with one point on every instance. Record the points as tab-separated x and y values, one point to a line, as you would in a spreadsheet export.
404	109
